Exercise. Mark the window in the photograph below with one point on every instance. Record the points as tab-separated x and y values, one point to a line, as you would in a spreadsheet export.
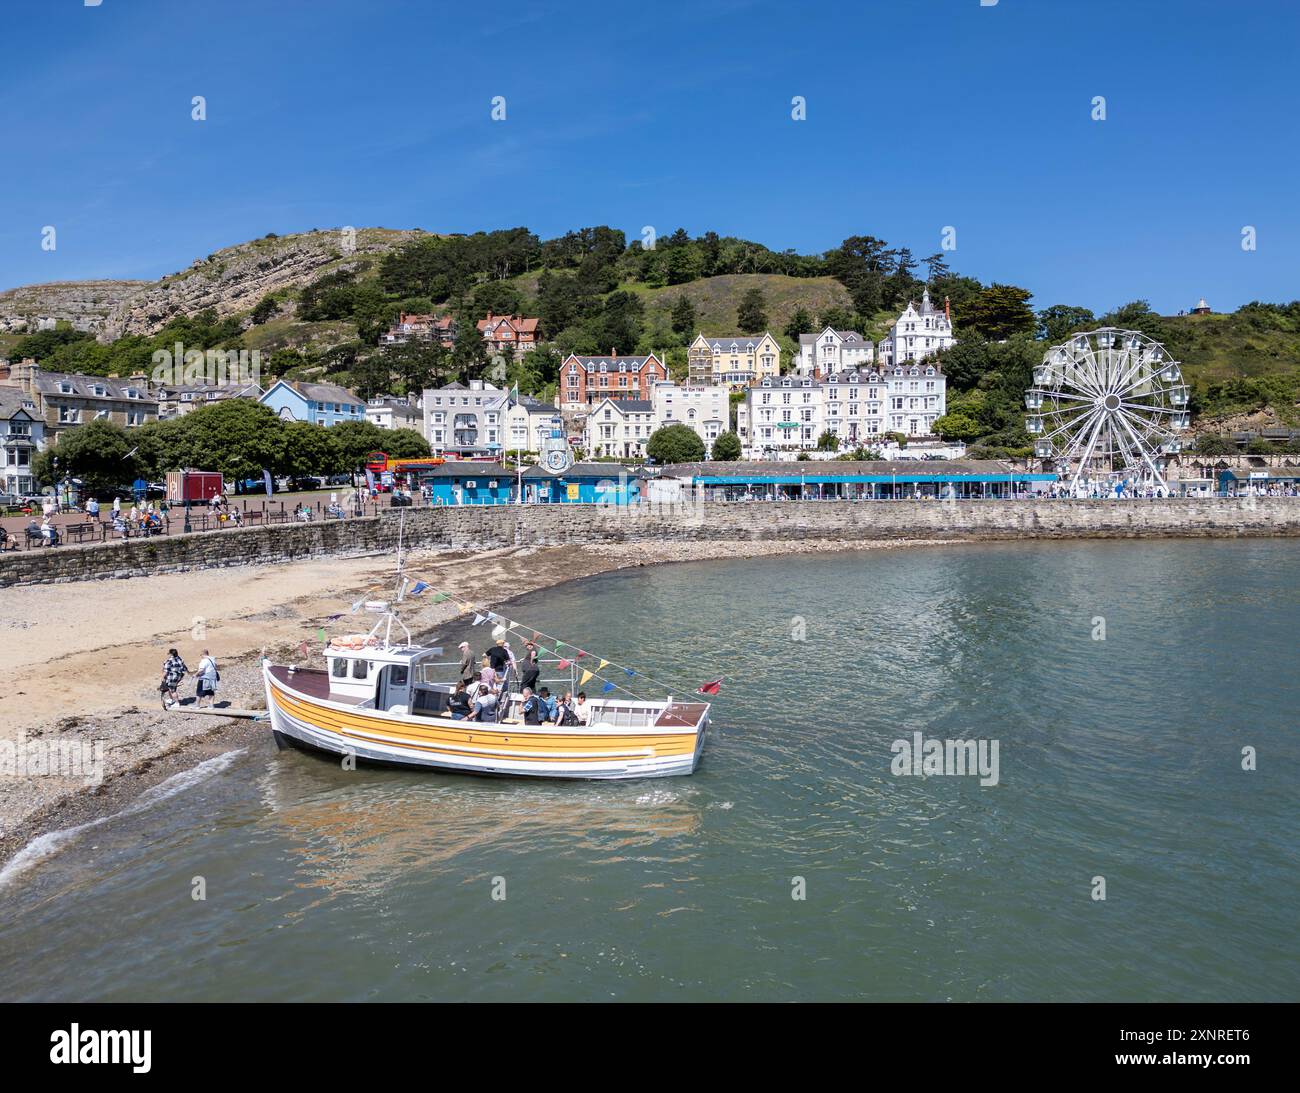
397	675
359	668
339	668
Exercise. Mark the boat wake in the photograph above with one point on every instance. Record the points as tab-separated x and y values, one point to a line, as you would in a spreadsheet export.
46	846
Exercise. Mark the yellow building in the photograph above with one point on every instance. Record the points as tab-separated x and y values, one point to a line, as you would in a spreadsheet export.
737	360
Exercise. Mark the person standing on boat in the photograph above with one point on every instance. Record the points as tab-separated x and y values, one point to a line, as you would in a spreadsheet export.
499	655
582	709
467	672
208	677
486	676
174	670
531	669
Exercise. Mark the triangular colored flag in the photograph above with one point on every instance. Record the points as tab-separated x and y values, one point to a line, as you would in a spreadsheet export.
478	619
536	635
358	605
582	653
585	676
629	672
302	649
320	634
602	664
564	664
332	618
607	688
419	587
438	598
710	688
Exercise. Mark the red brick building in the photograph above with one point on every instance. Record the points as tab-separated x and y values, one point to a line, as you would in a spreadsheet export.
587	380
514	334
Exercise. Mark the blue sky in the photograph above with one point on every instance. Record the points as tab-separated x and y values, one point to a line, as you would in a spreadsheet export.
920	114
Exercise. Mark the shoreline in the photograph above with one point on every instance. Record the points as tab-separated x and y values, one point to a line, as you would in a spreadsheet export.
144	745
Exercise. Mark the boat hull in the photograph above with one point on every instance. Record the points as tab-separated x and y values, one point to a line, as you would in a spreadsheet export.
438	743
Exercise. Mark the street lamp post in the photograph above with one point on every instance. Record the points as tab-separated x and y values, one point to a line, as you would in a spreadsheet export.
187	528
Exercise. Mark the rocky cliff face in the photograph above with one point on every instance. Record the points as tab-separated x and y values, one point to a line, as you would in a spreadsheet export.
229	281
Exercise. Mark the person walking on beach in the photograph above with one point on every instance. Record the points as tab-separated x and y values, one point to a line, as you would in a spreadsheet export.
174	670
208	677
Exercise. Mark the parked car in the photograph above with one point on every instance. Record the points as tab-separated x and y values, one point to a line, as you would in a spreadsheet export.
9	500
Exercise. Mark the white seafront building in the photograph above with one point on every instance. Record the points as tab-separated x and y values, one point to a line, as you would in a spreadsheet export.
858	407
917	333
704	408
833	351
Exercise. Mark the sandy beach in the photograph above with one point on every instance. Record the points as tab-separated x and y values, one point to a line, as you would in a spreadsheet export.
81	662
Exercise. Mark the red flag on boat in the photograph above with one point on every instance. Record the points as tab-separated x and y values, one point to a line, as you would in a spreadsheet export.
710	688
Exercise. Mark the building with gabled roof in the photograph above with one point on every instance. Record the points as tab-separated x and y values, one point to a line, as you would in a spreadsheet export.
585	380
833	351
318	403
737	360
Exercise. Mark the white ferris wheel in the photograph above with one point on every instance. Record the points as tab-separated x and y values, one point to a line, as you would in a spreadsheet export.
1108	403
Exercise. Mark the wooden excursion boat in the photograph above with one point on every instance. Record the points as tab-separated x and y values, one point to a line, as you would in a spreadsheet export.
376	700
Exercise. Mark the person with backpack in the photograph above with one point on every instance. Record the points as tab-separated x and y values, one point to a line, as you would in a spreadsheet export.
208	679
531	709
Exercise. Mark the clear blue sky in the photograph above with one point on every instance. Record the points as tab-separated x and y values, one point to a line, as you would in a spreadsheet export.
921	114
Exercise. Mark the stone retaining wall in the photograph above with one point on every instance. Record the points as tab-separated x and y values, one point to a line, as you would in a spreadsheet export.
486	527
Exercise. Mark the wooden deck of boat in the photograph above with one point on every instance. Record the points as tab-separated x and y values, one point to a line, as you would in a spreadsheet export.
314	682
681	715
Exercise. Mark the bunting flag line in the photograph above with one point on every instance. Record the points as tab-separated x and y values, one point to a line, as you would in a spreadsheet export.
479	619
607	688
586	675
601	665
439	597
419	587
710	688
564	664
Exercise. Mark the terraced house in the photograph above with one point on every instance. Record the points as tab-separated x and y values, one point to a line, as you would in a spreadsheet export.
22	435
586	380
619	427
319	403
737	360
64	400
466	421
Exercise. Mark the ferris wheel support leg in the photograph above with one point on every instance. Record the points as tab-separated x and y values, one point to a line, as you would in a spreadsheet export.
1087	453
1142	450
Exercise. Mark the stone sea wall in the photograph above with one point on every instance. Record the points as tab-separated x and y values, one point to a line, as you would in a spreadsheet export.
487	527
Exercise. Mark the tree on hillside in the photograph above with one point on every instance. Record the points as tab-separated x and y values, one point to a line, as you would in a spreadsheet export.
683	316
620	323
860	264
1058	322
675	444
1001	311
936	267
266	308
99	453
1137	315
726	448
957	426
801	322
837	318
752	313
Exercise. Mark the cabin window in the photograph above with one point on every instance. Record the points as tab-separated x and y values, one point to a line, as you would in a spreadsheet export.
339	668
359	669
397	676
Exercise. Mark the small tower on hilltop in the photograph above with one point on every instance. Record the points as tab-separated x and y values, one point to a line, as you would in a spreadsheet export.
1202	308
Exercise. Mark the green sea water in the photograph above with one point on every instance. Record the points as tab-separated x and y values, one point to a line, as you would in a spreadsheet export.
795	863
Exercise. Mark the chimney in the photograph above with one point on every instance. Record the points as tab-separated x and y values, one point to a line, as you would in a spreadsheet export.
947	311
614	351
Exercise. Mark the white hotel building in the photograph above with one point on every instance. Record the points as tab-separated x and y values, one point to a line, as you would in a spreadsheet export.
790	413
706	409
917	333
